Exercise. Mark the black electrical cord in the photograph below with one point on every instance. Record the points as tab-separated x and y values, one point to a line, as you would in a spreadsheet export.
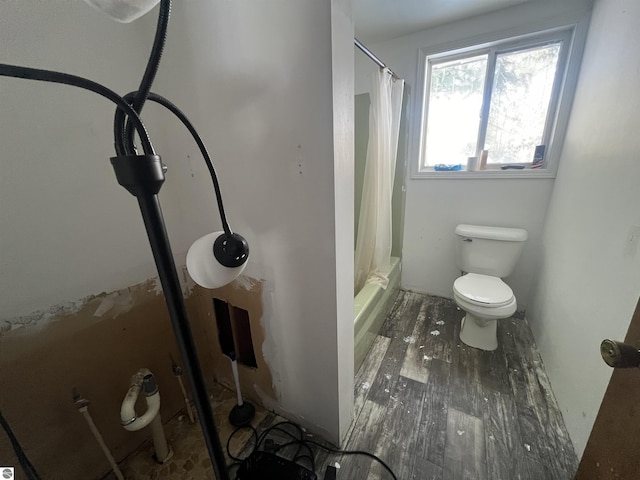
139	97
26	465
122	128
203	150
297	440
80	82
259	439
151	69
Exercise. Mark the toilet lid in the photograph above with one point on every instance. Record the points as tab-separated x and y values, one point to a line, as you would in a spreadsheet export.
483	290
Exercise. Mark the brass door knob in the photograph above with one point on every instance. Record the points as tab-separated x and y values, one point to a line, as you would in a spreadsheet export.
619	355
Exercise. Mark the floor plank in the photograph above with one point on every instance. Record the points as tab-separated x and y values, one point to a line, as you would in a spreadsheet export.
399	434
432	428
401	321
540	418
465	394
389	372
415	362
440	338
403	315
367	374
506	453
464	457
363	437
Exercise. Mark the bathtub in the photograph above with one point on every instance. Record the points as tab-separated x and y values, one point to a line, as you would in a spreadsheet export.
370	307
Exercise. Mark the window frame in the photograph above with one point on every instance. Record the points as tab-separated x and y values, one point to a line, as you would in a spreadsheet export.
559	103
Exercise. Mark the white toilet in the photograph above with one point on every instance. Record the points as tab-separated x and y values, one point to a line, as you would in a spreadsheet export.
485	256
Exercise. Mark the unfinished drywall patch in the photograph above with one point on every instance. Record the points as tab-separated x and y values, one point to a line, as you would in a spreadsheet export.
115	304
104	304
243	295
94	346
39	317
187	284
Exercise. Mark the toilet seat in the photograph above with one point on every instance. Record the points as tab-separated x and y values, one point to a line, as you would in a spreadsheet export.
483	290
486	311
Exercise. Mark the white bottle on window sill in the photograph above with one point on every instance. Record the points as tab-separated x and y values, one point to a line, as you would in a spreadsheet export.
483	159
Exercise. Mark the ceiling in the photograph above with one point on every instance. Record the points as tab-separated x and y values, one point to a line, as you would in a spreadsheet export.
380	20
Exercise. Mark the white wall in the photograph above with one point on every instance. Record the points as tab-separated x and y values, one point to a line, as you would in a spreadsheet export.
68	229
260	82
590	278
435	206
344	181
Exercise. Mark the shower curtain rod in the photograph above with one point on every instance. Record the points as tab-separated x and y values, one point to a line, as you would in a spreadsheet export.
373	57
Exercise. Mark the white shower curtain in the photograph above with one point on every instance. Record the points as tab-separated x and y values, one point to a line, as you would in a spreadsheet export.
373	245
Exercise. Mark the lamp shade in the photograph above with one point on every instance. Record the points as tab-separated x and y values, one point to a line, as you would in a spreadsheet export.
203	266
124	11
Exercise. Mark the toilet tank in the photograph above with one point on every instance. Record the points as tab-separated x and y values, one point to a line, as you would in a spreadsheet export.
489	250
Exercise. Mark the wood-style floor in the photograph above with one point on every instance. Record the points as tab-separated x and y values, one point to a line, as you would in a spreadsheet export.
434	408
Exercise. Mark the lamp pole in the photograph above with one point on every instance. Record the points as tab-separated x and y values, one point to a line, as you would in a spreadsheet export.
143	176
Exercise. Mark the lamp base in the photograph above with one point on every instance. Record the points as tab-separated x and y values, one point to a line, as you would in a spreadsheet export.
242	415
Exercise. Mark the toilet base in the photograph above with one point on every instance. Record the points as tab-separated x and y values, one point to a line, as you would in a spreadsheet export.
479	332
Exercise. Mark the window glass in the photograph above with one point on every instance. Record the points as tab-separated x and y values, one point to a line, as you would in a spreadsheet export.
522	86
501	102
454	103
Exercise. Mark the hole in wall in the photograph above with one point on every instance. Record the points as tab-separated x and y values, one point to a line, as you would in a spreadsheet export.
244	342
234	332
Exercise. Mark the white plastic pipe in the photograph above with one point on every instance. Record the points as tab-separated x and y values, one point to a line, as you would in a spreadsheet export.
127	409
132	422
127	412
128	416
187	402
236	377
103	445
163	453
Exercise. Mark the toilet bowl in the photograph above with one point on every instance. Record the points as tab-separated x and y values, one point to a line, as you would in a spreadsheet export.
485	300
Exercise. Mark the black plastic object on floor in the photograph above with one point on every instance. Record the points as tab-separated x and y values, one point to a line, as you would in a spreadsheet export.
331	473
241	415
267	466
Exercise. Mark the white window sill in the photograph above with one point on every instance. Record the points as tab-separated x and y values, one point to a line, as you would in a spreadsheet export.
484	174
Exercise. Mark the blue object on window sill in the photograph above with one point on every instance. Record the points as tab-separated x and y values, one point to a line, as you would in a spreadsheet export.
441	167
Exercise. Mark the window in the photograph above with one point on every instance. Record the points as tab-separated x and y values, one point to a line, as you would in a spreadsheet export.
502	98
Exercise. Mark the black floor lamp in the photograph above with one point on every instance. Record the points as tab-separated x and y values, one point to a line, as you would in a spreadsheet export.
213	260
